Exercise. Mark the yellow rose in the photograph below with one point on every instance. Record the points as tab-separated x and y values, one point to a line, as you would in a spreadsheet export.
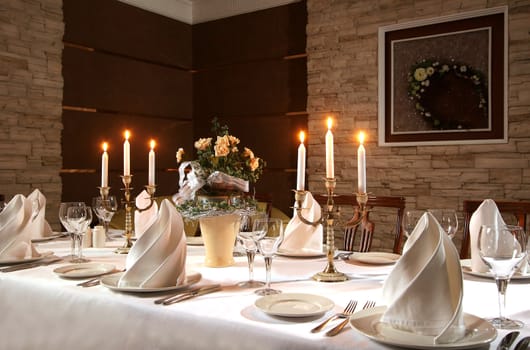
222	146
180	153
254	163
248	153
420	74
233	140
202	144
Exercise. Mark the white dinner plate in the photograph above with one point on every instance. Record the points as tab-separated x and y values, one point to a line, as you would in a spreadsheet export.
466	268
111	282
478	332
301	253
194	240
84	270
294	304
375	258
51	237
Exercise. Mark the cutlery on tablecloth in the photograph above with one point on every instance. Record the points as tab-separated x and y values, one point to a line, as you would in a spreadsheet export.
334	331
24	266
96	281
348	310
508	340
189	294
522	344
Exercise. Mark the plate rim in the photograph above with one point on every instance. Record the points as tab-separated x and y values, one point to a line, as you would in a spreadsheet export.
378	310
353	258
466	268
110	281
299	253
108	267
280	296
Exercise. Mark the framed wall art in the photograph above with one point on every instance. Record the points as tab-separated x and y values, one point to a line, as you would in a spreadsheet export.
444	80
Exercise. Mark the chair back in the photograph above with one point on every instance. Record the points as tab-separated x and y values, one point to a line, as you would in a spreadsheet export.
367	227
518	209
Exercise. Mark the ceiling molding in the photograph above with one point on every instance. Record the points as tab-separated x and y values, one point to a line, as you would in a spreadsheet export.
198	11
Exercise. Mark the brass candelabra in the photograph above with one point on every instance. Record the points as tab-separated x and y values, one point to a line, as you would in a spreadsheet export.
330	272
130	206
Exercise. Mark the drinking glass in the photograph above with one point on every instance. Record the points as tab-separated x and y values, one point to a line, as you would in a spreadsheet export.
448	219
271	232
502	248
105	210
79	218
410	219
248	238
63	217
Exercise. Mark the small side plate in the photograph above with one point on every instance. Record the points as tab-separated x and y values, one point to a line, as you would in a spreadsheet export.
84	270
294	304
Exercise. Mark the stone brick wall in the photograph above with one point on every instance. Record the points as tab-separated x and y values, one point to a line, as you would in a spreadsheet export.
31	91
342	80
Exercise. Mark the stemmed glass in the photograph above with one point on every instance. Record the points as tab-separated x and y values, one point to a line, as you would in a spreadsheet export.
105	210
248	238
448	219
79	217
410	219
63	217
271	233
502	248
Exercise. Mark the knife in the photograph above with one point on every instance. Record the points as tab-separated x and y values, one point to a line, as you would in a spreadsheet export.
508	340
30	265
195	293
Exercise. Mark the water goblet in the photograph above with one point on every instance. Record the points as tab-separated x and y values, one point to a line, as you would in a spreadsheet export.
63	217
502	248
268	244
105	208
248	239
410	219
79	218
448	219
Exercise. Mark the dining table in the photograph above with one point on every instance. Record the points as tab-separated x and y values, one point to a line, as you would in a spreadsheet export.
44	309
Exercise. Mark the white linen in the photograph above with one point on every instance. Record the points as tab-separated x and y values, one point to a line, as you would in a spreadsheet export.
40	227
424	291
144	219
300	236
158	258
486	214
15	233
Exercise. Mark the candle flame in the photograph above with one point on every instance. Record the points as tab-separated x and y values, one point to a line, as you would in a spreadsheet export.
105	146
330	123
152	143
302	137
127	134
361	137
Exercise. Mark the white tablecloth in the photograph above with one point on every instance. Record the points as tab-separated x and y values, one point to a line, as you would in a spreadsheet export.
40	310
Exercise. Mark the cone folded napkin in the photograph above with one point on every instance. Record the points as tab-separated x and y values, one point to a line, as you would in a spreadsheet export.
300	236
144	219
15	234
158	258
39	227
424	290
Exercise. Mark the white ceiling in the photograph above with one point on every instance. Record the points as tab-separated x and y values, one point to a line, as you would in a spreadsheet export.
197	11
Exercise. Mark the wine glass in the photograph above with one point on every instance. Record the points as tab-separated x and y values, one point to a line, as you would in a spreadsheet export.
63	217
502	248
79	217
105	210
248	238
271	232
448	219
410	219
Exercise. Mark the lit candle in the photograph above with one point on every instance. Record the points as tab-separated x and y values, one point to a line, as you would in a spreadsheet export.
361	165
151	175
300	179
126	155
330	169
104	166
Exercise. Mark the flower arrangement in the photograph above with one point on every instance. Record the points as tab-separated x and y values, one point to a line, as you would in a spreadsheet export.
426	73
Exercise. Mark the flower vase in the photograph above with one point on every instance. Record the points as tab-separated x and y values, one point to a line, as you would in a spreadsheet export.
219	235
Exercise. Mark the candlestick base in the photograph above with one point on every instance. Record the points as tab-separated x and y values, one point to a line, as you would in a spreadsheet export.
333	276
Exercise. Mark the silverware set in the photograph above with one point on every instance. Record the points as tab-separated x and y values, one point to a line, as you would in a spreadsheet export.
96	281
345	315
509	339
47	261
188	294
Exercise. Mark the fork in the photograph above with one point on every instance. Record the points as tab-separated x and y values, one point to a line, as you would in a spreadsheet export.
348	310
340	326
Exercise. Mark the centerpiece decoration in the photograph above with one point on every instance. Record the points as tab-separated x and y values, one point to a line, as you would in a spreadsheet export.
214	190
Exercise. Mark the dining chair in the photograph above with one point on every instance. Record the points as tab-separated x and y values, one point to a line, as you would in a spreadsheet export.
367	227
519	210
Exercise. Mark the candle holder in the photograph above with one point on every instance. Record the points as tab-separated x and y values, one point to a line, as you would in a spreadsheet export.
330	272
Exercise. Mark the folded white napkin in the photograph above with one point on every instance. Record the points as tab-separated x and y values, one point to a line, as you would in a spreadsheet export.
486	214
158	258
39	227
424	290
15	233
144	219
303	237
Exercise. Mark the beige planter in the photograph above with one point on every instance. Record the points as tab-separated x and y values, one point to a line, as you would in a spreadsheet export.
219	235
